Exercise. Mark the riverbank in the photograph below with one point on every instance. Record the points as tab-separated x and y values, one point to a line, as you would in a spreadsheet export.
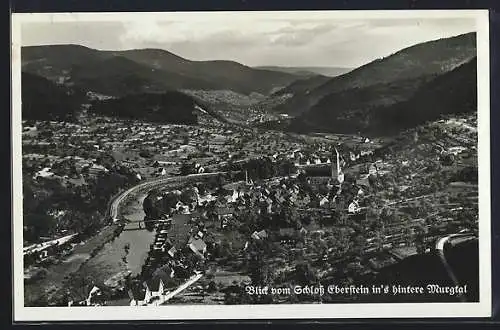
47	290
125	255
61	278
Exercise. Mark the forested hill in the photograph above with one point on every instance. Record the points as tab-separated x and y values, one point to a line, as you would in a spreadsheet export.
452	93
380	80
44	100
169	107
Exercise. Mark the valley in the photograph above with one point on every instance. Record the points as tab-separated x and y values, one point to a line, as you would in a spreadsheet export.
246	176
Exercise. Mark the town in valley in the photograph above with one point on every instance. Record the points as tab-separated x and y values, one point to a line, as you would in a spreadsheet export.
143	190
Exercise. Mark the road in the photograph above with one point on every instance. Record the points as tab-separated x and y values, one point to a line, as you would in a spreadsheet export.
164	298
440	248
148	186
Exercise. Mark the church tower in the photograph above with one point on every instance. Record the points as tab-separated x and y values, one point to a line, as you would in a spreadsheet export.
338	174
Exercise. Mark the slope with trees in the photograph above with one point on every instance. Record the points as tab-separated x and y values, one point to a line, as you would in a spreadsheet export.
357	111
44	100
169	107
426	59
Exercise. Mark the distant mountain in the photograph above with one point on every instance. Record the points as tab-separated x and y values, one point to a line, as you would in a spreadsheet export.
119	76
223	75
309	70
415	63
169	107
117	73
356	110
44	100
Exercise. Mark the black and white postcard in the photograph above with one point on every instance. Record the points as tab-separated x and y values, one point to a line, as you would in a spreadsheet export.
251	165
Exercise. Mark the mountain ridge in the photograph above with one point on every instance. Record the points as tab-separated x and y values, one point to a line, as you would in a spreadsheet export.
454	92
308	71
427	58
165	70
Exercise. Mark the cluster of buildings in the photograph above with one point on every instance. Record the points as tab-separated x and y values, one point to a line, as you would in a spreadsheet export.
38	253
69	151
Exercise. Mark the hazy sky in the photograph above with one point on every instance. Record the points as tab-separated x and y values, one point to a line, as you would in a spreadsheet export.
254	41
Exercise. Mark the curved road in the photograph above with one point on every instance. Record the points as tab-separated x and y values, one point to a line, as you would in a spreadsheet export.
148	186
440	248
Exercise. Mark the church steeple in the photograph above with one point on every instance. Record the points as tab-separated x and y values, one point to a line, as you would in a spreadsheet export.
339	174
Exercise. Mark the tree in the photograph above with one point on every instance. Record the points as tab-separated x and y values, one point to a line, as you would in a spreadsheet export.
304	274
186	168
448	159
420	238
145	153
38	225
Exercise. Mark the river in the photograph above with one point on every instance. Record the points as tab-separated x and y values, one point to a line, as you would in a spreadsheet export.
113	262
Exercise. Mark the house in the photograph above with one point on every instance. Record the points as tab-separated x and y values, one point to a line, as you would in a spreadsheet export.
97	169
198	246
259	235
206	198
161	171
224	215
199	169
158	246
44	173
95	297
234	197
154	288
353	207
179	206
172	251
324	201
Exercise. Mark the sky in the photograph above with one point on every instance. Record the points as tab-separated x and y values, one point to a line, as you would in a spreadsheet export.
253	41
